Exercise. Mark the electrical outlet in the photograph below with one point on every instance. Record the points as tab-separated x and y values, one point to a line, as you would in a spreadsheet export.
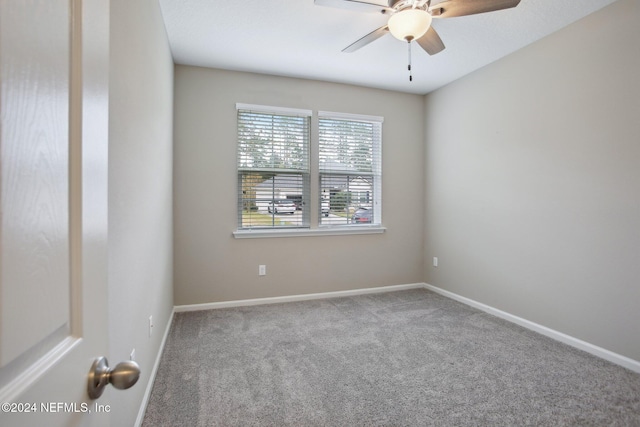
262	270
150	326
435	261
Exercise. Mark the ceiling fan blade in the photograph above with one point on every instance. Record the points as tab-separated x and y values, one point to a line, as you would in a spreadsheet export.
360	6
374	35
451	8
431	42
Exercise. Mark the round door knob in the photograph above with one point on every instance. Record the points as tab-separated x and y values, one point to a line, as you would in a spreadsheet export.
123	376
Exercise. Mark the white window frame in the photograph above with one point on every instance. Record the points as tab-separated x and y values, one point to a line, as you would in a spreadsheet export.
314	229
298	174
374	174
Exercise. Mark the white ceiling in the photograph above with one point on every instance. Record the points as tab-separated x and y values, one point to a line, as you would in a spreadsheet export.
296	38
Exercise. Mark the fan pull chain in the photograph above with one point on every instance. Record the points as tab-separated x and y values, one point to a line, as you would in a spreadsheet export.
409	67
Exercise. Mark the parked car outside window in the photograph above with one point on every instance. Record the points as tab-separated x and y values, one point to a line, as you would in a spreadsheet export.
362	216
282	206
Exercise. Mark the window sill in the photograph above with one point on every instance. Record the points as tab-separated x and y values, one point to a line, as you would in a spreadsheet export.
307	232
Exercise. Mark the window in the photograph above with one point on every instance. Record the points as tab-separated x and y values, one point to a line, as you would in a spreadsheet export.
349	148
273	167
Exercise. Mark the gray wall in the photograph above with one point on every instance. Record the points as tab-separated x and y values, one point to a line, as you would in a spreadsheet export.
210	265
140	192
533	182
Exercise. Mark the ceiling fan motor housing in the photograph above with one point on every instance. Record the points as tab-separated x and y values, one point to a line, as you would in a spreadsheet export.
399	5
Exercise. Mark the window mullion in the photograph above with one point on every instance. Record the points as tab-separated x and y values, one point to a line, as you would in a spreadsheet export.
307	160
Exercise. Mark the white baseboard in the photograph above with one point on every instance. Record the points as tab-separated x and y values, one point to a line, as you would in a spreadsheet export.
291	298
154	371
618	359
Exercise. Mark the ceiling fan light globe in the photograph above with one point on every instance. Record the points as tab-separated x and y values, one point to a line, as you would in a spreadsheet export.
409	24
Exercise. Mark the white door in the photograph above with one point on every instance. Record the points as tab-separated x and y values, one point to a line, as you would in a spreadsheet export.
53	215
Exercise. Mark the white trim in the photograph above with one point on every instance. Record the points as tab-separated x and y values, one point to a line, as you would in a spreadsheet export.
274	110
154	371
350	116
600	352
292	298
306	232
12	390
618	359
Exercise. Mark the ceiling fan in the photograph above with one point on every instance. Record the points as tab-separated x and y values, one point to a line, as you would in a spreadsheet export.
410	20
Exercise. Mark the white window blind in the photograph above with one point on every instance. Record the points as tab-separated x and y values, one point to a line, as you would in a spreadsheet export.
273	167
350	168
